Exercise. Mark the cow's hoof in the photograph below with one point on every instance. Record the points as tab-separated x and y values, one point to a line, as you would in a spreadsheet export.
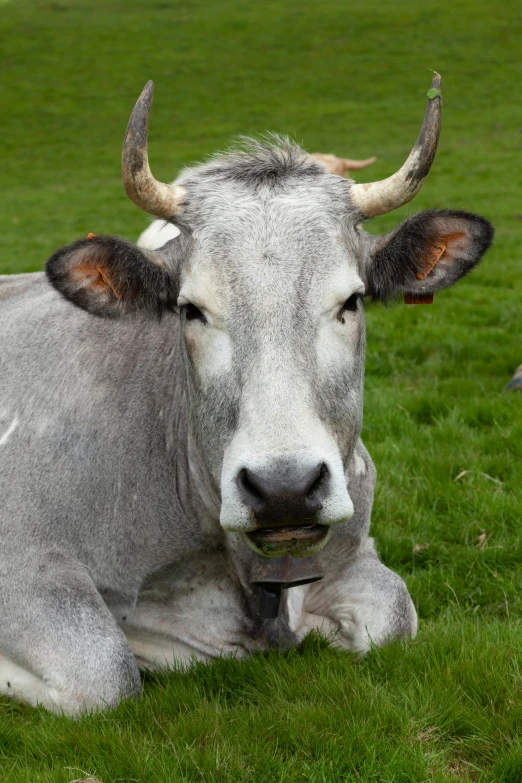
516	380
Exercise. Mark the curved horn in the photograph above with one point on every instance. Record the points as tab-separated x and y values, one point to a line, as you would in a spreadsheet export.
160	200
377	198
341	166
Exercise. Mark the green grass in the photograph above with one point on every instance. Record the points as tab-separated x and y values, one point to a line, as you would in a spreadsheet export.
412	712
348	78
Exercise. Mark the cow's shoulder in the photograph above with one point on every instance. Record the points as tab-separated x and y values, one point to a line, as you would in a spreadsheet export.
14	288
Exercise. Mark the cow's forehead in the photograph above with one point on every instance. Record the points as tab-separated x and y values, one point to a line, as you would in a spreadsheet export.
290	242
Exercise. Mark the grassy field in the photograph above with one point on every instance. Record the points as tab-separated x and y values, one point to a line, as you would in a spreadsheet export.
348	78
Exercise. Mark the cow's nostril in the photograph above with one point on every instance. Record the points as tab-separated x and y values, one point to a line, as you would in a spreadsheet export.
318	485
250	492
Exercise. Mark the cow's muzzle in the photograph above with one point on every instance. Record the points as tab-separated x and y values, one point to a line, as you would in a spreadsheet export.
285	500
284	493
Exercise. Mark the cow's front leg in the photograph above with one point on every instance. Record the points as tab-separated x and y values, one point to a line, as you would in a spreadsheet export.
366	604
59	644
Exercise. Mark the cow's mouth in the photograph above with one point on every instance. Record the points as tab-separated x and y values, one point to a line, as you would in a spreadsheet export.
295	540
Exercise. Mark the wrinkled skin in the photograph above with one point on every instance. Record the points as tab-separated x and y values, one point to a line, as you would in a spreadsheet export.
124	439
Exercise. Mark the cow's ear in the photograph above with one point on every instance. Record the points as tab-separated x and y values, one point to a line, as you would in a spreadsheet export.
426	253
109	276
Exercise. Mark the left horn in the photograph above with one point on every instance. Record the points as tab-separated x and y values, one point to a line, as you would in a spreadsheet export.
377	198
341	166
162	201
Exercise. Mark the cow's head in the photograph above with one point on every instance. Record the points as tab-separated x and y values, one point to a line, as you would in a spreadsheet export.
269	276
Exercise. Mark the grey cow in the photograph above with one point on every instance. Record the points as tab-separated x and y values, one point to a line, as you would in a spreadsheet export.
516	380
177	424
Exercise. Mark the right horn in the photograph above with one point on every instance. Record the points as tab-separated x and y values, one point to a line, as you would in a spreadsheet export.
378	198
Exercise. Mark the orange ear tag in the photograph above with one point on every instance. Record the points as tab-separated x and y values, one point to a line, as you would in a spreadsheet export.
103	275
430	261
427	265
107	281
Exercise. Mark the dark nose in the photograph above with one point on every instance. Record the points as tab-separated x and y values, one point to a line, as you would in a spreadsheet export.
284	493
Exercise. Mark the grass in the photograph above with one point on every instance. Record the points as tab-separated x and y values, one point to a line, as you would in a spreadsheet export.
446	438
413	712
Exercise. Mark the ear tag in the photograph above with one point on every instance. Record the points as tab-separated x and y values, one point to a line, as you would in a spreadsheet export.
102	274
428	264
107	281
415	299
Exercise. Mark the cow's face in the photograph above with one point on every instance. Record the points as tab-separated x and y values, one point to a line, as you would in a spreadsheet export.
271	305
268	275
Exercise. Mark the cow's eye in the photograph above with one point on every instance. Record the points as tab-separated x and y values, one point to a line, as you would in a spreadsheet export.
350	306
193	313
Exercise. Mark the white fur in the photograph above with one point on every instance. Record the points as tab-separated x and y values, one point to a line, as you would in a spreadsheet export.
335	338
216	355
157	235
358	607
199	617
24	685
9	431
360	465
29	688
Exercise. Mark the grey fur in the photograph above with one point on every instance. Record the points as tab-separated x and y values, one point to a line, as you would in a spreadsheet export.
112	442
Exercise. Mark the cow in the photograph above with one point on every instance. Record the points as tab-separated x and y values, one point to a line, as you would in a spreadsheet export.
180	428
516	381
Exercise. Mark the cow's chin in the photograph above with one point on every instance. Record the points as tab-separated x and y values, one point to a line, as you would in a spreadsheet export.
297	541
